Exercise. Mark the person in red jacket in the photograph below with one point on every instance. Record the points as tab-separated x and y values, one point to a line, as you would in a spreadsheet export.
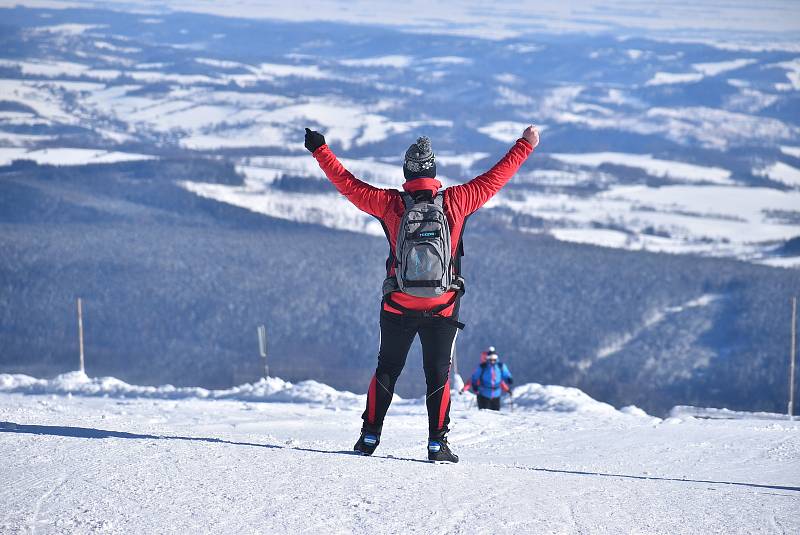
404	316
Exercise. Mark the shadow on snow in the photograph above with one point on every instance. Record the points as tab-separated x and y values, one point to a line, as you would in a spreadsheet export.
87	432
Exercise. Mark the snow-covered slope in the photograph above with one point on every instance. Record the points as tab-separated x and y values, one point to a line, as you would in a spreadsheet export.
126	463
722	28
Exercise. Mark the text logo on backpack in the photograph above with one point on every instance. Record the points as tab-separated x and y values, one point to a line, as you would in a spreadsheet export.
423	248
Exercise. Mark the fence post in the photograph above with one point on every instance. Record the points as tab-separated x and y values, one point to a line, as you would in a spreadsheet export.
262	347
792	357
80	333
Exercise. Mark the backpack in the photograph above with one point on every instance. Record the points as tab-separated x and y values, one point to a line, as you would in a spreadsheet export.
422	252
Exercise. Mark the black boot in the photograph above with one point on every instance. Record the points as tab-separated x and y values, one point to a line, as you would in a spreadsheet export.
439	451
367	442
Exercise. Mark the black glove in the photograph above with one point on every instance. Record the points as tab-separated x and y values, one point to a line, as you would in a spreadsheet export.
314	140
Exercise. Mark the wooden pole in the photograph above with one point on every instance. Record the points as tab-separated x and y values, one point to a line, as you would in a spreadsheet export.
80	332
262	347
792	357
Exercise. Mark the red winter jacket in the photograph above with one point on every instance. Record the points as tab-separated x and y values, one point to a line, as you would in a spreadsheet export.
388	207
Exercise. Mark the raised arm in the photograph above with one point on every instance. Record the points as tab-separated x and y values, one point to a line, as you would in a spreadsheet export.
369	199
468	197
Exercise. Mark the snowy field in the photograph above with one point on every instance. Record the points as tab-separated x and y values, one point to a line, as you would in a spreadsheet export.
692	104
86	455
473	18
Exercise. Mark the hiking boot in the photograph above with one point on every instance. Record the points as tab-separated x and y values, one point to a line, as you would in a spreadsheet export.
367	442
439	451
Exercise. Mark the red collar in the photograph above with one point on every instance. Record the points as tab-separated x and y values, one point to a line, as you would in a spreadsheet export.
419	184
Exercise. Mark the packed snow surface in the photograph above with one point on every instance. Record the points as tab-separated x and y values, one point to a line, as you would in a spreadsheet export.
84	454
682	411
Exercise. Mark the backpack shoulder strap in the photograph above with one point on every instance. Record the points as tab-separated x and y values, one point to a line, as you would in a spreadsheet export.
408	200
439	199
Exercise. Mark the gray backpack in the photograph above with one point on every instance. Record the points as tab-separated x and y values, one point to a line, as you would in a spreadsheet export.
422	252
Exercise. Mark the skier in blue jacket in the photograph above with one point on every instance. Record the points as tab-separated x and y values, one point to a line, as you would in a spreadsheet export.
489	380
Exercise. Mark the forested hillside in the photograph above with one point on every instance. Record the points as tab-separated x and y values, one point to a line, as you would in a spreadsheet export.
174	286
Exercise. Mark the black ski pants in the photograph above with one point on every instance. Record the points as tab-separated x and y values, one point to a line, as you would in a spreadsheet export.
489	403
397	333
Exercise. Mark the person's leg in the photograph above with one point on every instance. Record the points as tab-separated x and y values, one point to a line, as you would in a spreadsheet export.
397	333
483	403
494	404
438	339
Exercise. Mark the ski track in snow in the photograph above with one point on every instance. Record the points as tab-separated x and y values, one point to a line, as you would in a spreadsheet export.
80	464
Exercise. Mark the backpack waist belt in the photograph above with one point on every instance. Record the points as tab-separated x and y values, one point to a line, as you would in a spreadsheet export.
390	285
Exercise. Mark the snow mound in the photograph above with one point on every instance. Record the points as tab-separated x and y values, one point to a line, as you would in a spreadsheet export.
275	389
633	410
534	396
271	389
528	397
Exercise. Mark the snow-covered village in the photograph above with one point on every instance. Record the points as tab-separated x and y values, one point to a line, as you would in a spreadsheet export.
377	267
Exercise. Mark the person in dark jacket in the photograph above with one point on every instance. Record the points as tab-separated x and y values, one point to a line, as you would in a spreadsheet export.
404	316
490	380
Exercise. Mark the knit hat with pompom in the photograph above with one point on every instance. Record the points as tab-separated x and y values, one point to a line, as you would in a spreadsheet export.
419	161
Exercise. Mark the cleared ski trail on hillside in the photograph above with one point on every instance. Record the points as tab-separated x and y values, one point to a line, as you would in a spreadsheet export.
91	464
